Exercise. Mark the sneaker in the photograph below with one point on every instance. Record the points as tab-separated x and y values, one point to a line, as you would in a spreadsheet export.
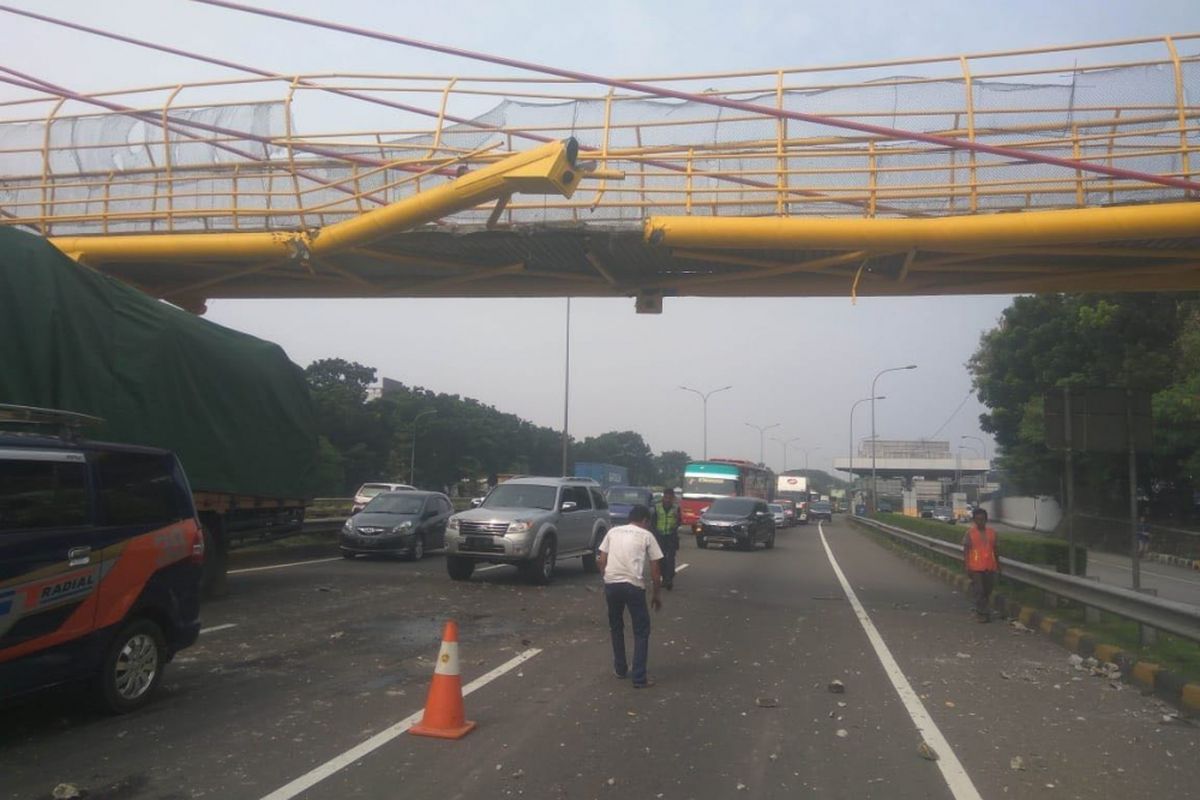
649	682
620	675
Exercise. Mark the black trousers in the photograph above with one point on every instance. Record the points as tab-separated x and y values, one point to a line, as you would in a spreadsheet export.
982	584
670	546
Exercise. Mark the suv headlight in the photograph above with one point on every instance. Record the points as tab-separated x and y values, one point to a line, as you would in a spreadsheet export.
520	526
402	527
347	527
452	524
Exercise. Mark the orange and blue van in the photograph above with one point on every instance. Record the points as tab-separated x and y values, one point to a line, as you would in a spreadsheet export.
100	566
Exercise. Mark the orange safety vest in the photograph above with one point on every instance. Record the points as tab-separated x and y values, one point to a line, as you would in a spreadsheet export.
982	555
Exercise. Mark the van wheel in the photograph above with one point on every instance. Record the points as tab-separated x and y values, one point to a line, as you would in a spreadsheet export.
133	666
701	542
770	540
540	571
459	568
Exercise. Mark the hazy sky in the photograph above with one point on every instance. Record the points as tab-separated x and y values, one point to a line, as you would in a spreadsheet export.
797	362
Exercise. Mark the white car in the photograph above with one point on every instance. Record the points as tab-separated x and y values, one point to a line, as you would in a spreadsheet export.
369	490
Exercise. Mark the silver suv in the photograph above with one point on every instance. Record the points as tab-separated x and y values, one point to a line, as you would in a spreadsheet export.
531	523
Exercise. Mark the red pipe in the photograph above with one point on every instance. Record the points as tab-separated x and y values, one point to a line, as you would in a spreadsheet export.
738	105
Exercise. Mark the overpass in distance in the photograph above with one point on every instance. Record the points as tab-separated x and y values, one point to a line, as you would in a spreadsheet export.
1067	168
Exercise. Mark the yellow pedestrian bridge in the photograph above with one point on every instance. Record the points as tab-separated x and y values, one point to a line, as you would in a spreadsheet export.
1060	169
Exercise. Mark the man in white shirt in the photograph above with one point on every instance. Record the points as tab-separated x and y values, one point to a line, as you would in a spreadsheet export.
622	560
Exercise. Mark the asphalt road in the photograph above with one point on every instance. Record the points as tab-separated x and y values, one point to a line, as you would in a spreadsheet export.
302	663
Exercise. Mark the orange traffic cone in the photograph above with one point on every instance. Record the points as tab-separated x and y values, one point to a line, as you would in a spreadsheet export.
444	715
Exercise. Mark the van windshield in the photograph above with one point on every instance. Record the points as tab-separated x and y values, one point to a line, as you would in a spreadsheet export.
521	495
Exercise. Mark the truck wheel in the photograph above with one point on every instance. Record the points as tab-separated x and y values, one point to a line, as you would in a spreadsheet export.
459	568
540	571
216	557
133	666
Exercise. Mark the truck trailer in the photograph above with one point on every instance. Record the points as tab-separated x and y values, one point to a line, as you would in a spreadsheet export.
234	409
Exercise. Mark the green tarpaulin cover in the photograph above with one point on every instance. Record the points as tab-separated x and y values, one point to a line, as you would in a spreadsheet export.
234	408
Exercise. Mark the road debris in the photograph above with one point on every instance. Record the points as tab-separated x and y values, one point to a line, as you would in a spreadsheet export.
837	687
65	791
1075	660
962	655
1017	763
1020	627
842	733
766	702
741	787
927	752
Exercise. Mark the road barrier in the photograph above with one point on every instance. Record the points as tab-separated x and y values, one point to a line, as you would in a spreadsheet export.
1168	616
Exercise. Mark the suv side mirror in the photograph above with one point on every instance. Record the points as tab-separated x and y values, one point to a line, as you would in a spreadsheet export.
569	505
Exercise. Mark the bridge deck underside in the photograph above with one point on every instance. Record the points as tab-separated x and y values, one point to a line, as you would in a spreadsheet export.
556	260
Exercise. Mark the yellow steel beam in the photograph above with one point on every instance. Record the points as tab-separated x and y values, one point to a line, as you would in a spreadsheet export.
549	169
959	233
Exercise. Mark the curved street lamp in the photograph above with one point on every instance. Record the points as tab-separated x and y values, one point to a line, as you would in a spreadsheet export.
856	404
875	441
704	398
762	438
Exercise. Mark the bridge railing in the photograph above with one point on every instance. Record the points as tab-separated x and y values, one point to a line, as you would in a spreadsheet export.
295	151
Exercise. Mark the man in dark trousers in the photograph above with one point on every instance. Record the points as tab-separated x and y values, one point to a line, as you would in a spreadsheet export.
666	523
622	561
981	559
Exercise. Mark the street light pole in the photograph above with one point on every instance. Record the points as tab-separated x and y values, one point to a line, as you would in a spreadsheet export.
762	439
856	404
784	446
806	451
412	462
987	465
874	441
566	390
704	398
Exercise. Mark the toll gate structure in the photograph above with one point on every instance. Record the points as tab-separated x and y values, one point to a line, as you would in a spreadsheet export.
1071	168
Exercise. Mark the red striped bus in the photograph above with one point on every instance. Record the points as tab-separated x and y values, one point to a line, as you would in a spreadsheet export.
704	481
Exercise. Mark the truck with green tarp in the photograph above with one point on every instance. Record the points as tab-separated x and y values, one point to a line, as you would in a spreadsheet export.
233	407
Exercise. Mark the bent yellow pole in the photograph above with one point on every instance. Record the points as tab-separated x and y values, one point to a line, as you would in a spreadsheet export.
959	233
549	169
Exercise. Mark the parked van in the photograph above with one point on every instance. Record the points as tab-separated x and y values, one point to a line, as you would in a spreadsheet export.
101	557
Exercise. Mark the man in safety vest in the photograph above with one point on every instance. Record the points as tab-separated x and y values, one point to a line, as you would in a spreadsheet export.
982	562
666	532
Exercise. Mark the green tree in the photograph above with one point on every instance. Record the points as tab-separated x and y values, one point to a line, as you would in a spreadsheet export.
669	466
1148	342
624	448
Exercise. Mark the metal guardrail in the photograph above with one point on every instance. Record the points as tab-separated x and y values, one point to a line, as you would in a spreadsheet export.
1168	616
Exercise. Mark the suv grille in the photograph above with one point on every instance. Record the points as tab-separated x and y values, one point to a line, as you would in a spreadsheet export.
482	528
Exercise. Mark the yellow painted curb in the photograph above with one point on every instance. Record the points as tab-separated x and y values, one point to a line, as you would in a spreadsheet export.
1047	625
1106	652
1191	697
1071	638
1026	614
1144	672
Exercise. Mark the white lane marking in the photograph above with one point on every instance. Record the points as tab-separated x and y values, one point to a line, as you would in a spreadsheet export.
216	628
338	763
494	566
681	567
282	566
952	770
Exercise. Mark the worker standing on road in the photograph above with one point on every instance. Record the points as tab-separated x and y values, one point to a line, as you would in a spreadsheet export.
982	562
666	533
622	561
1143	537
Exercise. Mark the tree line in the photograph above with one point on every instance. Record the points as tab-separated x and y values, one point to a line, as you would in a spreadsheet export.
1146	342
365	439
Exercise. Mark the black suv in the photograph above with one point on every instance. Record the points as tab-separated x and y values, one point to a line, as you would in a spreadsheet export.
741	521
100	562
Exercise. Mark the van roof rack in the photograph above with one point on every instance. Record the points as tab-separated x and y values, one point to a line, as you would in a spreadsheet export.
66	424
